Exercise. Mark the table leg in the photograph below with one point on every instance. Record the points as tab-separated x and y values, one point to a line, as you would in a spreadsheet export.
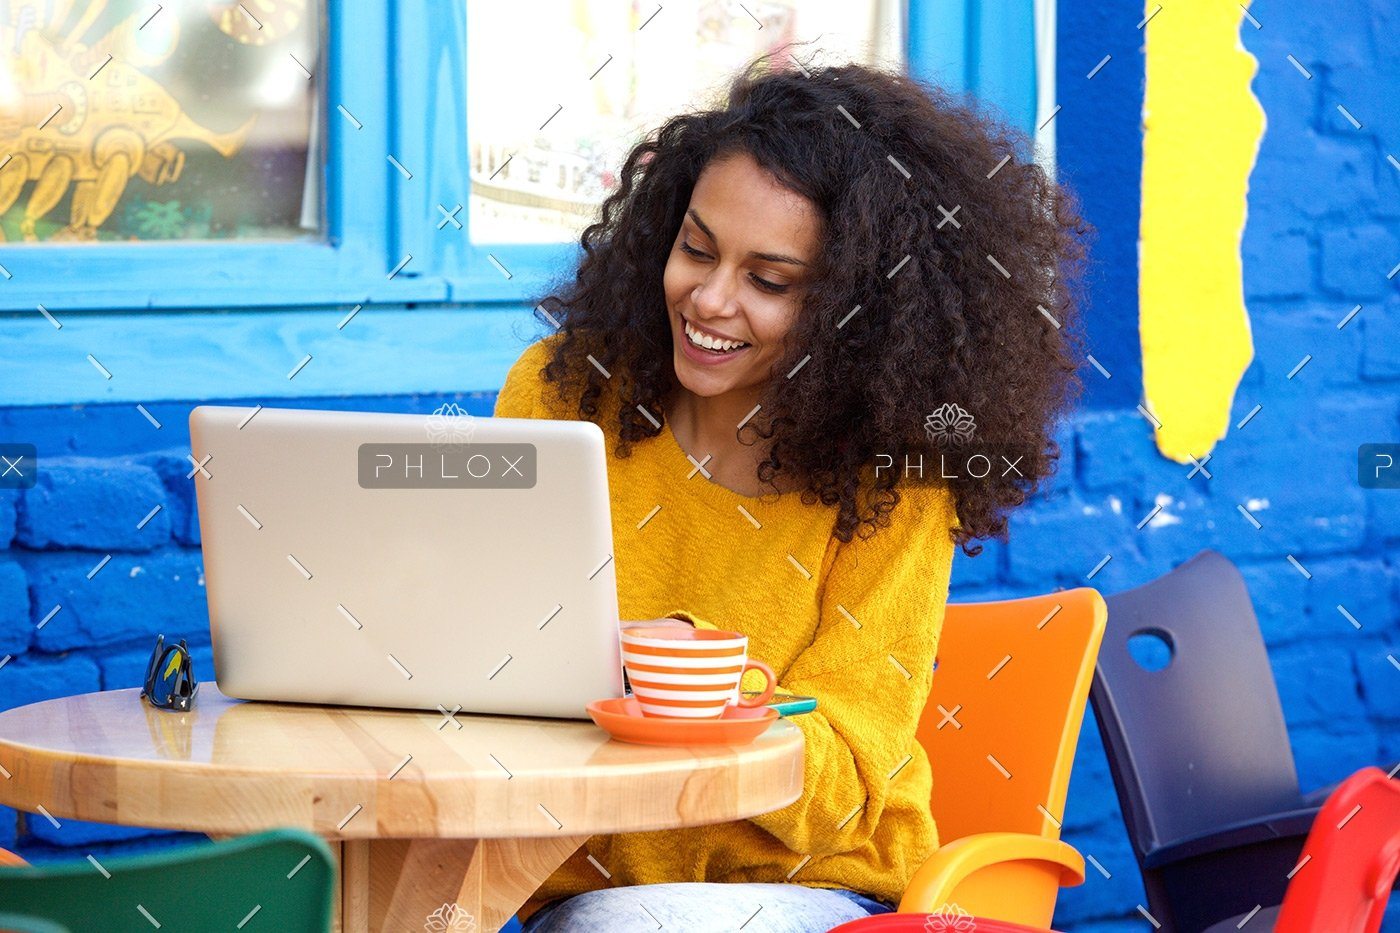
337	886
396	884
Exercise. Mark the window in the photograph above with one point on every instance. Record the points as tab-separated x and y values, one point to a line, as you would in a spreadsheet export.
132	123
198	153
370	195
594	78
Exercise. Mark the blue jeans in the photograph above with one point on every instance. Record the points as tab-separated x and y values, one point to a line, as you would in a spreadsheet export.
705	906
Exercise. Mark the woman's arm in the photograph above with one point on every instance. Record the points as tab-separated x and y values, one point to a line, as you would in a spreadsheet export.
521	391
870	667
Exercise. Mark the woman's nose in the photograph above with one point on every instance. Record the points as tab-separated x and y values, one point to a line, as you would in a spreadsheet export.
714	294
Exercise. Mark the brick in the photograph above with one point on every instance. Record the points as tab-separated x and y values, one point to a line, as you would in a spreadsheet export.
1092	799
1380	354
1366	86
1387	733
1325	755
93	504
1317	685
1182	525
1063	540
70	832
1284	335
1382	516
1278	593
1114	450
1390	921
1293	187
40	852
128	668
1378	666
16	629
1293	467
9	827
29	680
1100	897
133	596
991	594
985	568
1363	587
1066	472
8	498
1302	520
1277	264
1123	924
1356	258
172	466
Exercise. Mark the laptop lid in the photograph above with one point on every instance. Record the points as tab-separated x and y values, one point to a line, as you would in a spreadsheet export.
379	559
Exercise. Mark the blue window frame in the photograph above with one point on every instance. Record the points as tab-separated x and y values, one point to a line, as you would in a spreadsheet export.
438	314
1000	51
428	214
352	262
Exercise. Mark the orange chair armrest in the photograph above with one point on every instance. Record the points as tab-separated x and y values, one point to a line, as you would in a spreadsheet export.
999	876
9	858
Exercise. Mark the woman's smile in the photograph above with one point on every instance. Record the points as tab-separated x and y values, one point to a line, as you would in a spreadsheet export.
707	355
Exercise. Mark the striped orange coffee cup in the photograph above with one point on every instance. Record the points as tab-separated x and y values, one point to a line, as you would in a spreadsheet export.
683	673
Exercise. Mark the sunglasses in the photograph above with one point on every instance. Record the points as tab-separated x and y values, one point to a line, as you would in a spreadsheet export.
170	682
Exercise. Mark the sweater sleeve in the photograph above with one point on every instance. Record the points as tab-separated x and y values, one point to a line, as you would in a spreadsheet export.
870	667
519	395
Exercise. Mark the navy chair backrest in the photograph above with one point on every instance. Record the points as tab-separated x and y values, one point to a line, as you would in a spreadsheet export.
1200	743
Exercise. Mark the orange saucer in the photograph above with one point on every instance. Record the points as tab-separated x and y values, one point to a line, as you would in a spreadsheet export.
622	718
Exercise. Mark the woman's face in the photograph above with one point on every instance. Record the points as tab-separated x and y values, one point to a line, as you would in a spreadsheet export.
737	270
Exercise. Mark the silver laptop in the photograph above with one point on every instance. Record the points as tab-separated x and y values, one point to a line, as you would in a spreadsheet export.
437	562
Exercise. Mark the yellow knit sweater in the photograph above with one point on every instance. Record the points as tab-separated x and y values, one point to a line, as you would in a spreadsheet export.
855	625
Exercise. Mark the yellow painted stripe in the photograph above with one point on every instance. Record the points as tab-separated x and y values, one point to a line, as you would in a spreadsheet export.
1201	130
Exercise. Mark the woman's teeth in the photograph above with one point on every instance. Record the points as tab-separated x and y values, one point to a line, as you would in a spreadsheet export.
706	342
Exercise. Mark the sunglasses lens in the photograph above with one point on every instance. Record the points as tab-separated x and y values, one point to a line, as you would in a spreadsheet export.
155	660
166	676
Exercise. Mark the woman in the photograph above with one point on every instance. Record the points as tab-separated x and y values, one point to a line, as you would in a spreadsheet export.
801	329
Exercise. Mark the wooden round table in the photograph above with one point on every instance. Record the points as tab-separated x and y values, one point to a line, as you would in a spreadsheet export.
421	809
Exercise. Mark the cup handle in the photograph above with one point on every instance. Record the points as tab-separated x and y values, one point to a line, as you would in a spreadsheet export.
767	694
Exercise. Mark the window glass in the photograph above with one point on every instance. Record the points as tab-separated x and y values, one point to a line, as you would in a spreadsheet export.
553	112
136	121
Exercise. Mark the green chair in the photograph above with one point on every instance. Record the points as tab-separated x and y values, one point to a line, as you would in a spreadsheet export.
280	879
14	923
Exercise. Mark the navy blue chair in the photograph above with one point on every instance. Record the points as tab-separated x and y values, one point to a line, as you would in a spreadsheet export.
1198	749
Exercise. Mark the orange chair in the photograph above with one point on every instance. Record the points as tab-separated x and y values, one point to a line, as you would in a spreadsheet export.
9	858
1000	728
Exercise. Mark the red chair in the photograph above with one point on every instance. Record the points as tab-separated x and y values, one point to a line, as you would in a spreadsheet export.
1348	866
1350	860
932	923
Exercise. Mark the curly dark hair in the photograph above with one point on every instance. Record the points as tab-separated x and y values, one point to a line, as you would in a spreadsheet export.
978	312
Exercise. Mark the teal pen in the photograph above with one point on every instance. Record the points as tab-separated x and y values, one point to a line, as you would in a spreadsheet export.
788	704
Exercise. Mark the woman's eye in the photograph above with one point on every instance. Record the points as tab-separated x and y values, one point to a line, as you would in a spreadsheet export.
764	284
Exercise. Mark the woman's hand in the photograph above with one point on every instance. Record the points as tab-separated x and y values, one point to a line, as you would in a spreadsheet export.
624	625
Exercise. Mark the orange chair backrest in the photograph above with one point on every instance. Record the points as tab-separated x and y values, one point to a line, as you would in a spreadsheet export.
1004	711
